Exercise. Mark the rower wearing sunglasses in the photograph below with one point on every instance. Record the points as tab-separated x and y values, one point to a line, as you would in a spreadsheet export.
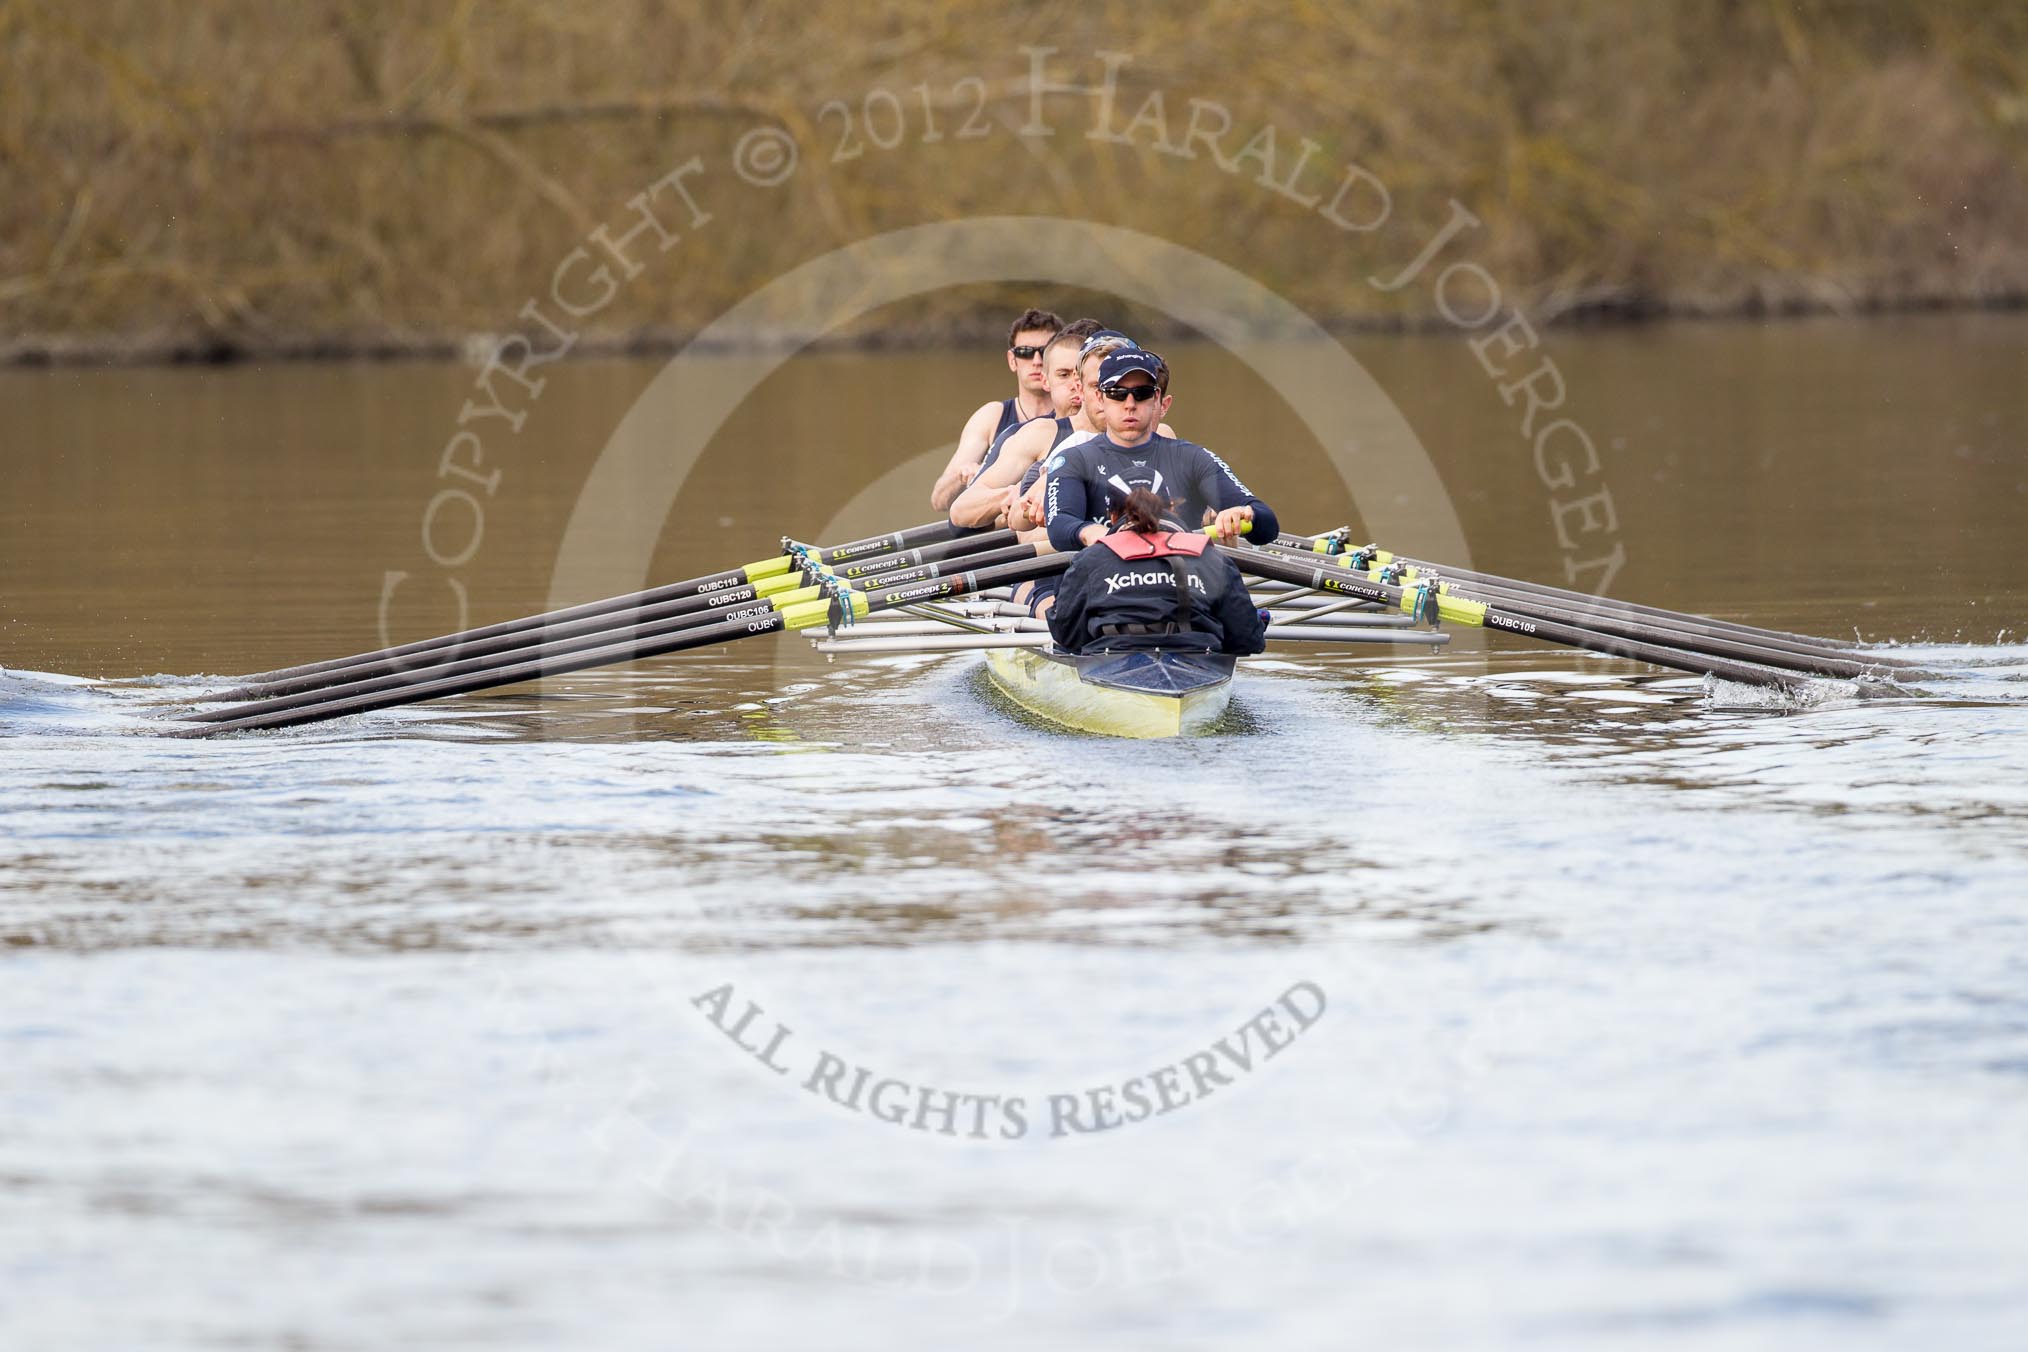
1026	338
994	496
1087	481
1027	513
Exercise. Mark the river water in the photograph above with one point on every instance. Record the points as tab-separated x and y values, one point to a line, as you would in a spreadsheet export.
1599	1011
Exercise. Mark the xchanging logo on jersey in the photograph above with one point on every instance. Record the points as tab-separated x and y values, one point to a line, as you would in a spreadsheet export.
1118	581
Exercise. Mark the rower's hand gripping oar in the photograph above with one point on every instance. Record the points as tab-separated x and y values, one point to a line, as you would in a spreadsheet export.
852	599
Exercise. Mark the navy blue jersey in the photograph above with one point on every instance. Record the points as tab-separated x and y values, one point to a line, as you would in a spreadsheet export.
1087	480
1155	597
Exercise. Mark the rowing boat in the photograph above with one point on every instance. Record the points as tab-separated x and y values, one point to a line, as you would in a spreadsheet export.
1117	694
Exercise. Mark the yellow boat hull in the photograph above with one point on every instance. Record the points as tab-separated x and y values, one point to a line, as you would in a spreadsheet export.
1051	686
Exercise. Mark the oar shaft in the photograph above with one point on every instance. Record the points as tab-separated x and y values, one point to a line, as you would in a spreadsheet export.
1654	654
534	664
1679	632
965	546
929	533
733	577
625	650
597	631
1586	602
915	536
934	638
547	650
988	558
702	606
697	595
964	583
1492	616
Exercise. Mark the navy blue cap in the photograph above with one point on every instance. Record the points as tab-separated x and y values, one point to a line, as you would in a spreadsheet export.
1132	359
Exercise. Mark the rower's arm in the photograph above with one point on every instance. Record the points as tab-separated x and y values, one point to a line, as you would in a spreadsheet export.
988	494
972	444
1222	489
1068	506
1025	515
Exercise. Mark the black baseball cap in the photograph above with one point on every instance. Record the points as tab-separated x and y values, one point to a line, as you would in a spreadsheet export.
1133	359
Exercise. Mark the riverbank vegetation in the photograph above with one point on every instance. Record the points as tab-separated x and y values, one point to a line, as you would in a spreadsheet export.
342	176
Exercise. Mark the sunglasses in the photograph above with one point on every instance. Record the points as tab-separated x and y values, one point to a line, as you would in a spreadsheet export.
1026	353
1138	393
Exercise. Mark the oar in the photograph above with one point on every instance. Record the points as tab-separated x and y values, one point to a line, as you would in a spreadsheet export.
844	608
1362	558
1460	610
1695	633
1682	632
798	569
792	553
562	640
871	567
752	598
947	642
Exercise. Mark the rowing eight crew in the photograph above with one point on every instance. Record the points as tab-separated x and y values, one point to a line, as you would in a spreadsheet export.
1065	482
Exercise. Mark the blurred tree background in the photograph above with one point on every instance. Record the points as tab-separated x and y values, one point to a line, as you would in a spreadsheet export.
343	175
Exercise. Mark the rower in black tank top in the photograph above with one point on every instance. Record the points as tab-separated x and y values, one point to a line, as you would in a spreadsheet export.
1064	427
1010	418
1010	409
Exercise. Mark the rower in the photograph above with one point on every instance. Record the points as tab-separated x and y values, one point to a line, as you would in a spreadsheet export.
1085	481
1025	341
1024	513
1000	480
1147	584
